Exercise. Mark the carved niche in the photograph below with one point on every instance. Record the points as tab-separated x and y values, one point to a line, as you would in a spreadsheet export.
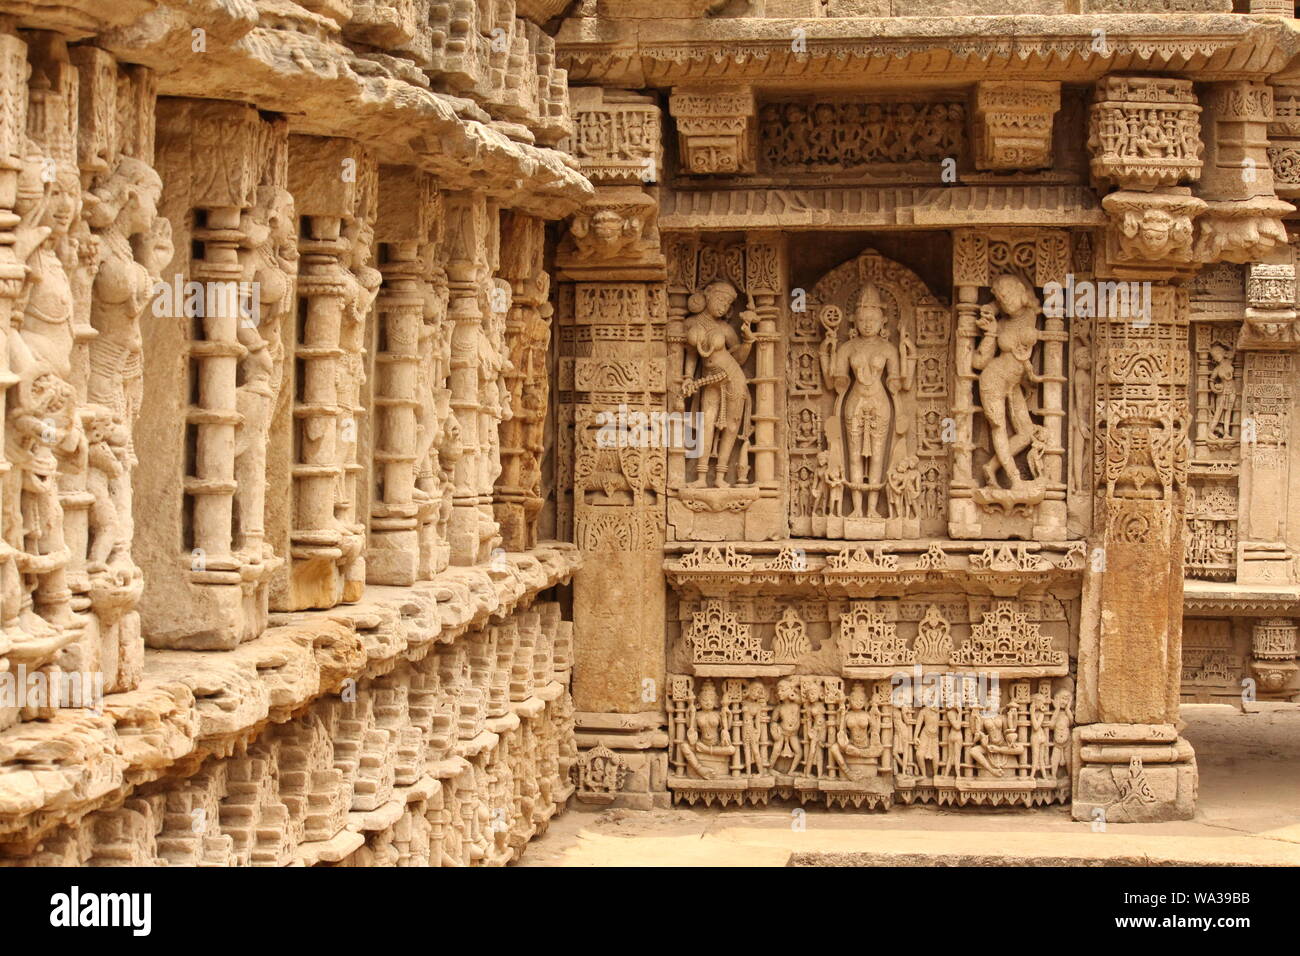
1009	476
867	395
724	477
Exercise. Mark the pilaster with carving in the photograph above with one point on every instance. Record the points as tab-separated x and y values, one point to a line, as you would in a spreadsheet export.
1131	764
613	447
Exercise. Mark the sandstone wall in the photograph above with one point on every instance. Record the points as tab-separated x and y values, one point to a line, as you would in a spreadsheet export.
274	305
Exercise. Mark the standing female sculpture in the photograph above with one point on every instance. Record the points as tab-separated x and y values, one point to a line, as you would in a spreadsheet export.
1004	360
724	400
866	372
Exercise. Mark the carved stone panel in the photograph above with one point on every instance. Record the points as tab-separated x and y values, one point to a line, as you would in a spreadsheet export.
867	396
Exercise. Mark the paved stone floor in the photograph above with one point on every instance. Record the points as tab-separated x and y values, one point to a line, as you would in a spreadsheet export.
1248	813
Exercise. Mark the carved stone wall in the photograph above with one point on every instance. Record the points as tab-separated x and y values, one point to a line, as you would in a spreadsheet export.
275	386
1015	328
903	409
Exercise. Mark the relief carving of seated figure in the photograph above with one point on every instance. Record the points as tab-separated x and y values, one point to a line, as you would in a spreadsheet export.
993	744
708	733
859	732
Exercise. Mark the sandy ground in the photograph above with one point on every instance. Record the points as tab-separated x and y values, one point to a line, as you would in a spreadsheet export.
1248	813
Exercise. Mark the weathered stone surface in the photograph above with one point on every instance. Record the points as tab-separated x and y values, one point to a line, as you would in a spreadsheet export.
885	380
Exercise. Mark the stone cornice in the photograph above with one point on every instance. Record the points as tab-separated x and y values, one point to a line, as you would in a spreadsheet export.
1208	598
195	704
879	207
999	568
326	90
664	53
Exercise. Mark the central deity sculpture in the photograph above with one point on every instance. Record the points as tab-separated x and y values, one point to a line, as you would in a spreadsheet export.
867	372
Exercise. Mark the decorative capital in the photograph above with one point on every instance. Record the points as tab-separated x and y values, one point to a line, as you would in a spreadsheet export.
616	136
1145	131
1151	228
1012	124
715	130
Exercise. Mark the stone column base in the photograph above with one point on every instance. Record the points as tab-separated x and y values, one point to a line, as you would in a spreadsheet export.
1132	773
623	760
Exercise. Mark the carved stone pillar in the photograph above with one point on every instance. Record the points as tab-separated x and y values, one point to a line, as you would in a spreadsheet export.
405	206
518	498
1130	763
612	316
334	182
223	166
471	298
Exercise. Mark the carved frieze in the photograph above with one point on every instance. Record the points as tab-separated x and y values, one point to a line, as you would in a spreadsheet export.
869	743
1145	131
828	135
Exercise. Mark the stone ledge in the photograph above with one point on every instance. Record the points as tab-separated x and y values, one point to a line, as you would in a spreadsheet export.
196	704
326	89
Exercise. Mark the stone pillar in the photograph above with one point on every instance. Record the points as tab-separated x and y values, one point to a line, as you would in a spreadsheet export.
612	317
405	205
467	271
970	272
224	169
518	498
1130	763
334	182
